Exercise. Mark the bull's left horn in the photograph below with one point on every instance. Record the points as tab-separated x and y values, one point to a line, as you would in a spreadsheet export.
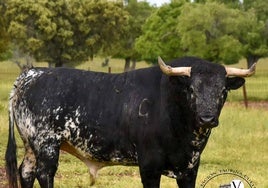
173	71
240	72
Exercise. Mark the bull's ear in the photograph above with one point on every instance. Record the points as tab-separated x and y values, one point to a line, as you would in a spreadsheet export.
235	83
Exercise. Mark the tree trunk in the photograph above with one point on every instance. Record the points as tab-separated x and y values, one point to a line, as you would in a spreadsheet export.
133	67
59	63
127	64
50	65
251	59
91	56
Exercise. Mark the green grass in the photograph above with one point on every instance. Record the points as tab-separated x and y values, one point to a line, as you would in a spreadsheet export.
239	143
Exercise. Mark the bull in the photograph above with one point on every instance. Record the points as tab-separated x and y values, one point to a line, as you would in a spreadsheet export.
157	118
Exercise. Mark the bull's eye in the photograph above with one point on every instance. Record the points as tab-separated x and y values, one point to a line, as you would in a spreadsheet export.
191	92
224	92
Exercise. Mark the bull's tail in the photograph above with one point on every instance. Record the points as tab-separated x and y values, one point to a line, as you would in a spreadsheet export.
11	154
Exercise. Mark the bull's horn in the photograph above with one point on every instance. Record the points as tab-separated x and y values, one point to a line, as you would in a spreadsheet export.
240	72
173	71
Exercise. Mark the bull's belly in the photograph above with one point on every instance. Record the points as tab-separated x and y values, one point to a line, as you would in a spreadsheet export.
109	158
95	164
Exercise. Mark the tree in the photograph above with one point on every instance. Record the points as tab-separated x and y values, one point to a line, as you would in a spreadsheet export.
256	44
138	13
255	38
4	38
214	31
64	31
40	29
160	37
100	25
209	29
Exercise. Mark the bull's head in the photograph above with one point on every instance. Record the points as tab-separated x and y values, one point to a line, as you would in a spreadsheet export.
206	87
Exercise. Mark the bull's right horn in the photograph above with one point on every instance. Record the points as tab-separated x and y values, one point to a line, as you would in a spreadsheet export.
173	71
241	72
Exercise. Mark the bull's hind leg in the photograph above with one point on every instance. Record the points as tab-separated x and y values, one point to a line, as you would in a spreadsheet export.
27	169
47	162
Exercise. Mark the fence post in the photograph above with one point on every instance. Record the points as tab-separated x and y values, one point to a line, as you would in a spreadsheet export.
245	96
109	69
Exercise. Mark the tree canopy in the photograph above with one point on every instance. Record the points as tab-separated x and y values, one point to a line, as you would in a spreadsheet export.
213	31
4	38
256	43
159	33
62	31
138	13
209	29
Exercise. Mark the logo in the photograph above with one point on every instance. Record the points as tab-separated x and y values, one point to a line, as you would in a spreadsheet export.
237	184
227	178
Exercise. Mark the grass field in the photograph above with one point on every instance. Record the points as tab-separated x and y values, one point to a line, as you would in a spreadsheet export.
239	143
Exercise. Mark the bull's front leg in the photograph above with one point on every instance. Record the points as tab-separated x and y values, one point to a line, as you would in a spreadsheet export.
188	180
151	167
150	177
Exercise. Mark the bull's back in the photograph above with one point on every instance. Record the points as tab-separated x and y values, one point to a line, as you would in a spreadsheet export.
63	91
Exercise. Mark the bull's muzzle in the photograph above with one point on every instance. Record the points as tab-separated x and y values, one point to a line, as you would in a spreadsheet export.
208	121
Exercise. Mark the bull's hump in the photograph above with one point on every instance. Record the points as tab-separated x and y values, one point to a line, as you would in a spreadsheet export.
32	74
27	77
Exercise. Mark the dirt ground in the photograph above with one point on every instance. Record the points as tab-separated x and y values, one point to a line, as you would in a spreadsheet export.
263	105
3	180
259	105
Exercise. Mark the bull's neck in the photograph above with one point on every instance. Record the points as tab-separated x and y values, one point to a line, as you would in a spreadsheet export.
199	138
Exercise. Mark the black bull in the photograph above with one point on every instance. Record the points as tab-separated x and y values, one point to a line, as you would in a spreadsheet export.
157	118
